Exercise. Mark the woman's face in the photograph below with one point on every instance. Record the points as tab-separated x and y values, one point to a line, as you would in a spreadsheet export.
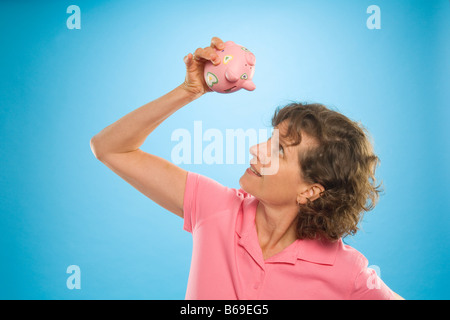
278	180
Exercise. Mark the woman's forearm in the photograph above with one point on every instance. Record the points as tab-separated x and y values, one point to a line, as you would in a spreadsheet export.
129	132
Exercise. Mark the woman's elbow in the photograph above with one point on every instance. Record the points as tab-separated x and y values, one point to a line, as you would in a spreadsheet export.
95	147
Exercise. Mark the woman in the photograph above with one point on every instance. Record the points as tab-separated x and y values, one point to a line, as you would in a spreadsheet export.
279	236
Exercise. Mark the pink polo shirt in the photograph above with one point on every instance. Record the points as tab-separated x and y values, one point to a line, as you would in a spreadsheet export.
227	261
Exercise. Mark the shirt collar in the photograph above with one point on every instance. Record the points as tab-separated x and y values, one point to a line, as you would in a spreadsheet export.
315	251
318	251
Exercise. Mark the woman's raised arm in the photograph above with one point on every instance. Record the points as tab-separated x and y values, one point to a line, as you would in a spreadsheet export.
117	146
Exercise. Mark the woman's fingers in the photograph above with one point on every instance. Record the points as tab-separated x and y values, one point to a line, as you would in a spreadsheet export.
217	43
207	53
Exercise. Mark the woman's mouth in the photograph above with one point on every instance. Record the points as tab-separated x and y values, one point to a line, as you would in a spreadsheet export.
253	171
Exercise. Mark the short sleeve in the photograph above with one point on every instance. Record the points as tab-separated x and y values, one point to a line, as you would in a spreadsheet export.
368	285
205	197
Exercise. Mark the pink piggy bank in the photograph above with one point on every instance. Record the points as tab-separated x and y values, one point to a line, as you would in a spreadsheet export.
234	72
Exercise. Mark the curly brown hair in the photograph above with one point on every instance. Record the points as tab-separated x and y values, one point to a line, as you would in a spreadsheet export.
343	162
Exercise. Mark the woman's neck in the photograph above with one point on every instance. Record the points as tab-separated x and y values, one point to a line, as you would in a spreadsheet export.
276	228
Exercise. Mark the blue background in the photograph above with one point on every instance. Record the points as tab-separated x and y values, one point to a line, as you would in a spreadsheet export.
58	87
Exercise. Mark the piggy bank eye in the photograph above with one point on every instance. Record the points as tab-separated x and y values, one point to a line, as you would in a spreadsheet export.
244	76
245	49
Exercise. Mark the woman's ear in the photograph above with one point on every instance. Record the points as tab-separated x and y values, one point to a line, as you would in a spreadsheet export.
310	194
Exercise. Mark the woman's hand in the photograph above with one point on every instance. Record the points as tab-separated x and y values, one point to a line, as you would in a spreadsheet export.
195	64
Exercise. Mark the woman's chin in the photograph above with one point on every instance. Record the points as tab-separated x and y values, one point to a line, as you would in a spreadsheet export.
245	184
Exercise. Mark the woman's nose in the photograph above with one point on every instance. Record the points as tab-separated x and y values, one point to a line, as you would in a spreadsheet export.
259	152
254	153
254	150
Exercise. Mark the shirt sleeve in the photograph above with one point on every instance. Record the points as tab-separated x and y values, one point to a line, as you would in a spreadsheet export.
205	197
368	285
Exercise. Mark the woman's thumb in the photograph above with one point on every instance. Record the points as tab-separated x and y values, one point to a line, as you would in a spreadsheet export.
190	63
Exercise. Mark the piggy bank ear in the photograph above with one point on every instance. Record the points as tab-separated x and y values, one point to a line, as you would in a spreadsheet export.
250	57
228	43
249	85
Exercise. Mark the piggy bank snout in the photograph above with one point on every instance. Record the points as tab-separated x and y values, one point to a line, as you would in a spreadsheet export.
231	75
